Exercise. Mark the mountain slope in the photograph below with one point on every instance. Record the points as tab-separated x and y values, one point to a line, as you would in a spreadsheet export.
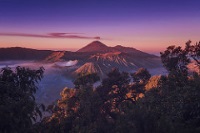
124	61
99	47
131	51
96	57
18	53
89	68
55	56
95	46
102	63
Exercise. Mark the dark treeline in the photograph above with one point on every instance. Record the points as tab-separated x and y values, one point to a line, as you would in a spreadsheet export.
123	102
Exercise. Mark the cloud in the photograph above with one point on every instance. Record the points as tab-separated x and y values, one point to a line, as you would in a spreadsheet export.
51	35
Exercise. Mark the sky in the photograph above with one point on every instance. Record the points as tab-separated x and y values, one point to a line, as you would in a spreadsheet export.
148	25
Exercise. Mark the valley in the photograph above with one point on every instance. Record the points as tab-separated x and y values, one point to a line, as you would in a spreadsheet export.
61	67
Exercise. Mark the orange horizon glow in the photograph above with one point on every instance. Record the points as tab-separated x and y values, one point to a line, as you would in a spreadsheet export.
150	45
149	26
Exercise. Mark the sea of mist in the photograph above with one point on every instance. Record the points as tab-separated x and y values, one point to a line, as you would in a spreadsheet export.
55	77
54	80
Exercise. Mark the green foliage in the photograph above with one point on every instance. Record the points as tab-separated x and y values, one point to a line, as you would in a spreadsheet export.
86	80
86	109
175	60
142	75
193	51
77	110
171	107
18	109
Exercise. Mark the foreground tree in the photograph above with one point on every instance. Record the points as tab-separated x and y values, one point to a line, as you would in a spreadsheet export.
194	53
173	106
175	59
18	109
77	110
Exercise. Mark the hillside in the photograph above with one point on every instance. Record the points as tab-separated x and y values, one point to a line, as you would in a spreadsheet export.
18	53
95	46
94	57
104	58
89	68
99	47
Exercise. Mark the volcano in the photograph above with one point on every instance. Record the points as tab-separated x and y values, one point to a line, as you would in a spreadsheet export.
95	46
103	58
96	57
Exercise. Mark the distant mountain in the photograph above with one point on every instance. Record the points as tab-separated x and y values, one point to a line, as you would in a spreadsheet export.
94	57
103	58
89	67
118	59
131	51
18	53
99	47
95	46
55	56
102	63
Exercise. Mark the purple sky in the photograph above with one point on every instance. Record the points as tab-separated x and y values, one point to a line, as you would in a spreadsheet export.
148	25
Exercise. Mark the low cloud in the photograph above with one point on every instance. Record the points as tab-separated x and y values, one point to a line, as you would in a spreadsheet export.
51	35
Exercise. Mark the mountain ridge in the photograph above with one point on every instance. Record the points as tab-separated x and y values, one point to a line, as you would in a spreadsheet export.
95	46
99	47
94	57
20	53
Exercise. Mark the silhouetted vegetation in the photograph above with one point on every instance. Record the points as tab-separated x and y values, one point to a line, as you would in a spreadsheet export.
123	102
18	109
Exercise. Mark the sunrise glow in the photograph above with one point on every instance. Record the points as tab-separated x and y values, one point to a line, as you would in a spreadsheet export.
150	27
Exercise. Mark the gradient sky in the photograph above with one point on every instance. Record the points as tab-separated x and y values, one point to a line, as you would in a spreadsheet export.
148	25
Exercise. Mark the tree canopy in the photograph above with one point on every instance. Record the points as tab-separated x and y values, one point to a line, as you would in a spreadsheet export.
123	102
18	109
